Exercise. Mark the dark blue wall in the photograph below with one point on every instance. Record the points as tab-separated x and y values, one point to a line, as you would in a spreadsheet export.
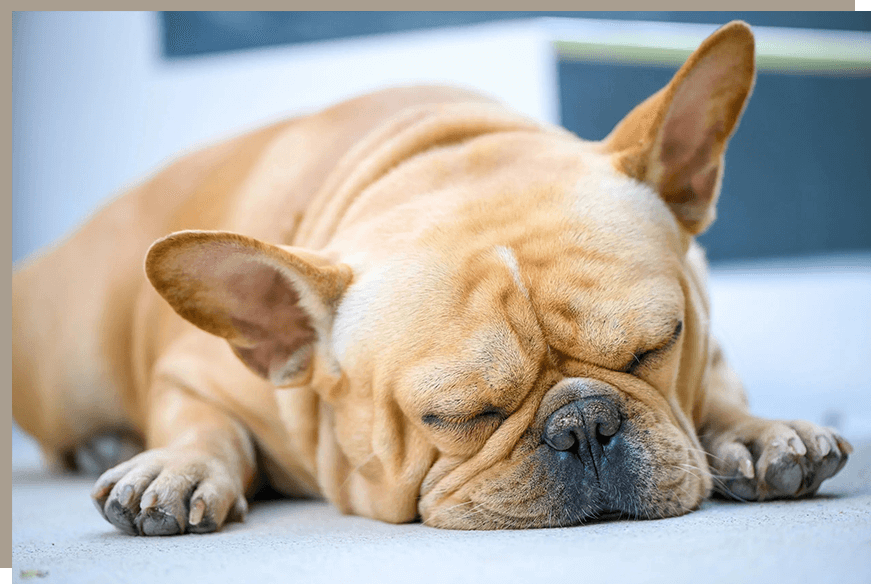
798	170
194	33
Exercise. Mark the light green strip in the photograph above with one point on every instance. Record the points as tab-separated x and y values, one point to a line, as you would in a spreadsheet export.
812	57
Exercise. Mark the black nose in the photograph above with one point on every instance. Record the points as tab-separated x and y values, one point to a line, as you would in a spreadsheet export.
585	426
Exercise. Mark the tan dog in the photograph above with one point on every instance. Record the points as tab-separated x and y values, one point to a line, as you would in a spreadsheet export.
462	315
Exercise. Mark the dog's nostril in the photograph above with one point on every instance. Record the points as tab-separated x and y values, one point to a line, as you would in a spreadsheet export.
593	419
607	423
603	438
562	440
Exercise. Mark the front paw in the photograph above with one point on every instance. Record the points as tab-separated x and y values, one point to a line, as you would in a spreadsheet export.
764	459
169	492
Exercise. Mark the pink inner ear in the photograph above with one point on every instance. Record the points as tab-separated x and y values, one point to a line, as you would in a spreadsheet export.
263	307
693	128
701	116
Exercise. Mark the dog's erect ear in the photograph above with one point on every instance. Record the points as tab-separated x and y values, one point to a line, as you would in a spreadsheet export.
272	304
675	140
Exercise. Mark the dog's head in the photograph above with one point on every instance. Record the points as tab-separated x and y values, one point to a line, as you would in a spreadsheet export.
523	342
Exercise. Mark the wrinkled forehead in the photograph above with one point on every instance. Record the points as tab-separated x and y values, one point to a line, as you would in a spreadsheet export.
581	258
599	306
492	324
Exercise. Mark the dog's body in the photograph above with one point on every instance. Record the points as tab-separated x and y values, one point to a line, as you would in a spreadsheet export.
472	318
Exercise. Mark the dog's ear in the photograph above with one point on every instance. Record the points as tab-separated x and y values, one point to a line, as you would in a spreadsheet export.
675	140
272	304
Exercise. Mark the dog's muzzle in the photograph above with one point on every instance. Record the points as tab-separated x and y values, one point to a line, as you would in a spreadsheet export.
586	448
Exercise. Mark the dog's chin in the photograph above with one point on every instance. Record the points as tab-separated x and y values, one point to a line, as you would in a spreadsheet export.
478	517
474	515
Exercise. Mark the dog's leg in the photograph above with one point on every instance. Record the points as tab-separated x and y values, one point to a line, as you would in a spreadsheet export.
194	476
755	459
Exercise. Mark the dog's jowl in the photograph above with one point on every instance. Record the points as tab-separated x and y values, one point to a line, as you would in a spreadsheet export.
419	305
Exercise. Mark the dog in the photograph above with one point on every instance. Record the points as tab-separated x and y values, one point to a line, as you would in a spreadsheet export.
420	306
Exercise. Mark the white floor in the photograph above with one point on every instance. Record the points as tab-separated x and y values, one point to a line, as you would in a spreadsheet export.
57	533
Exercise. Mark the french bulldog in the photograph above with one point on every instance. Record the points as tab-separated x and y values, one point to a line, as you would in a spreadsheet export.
420	306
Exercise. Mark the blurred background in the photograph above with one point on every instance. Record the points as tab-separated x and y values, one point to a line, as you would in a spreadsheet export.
100	100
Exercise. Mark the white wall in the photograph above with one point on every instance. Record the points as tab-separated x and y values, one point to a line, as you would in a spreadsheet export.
798	332
95	108
78	96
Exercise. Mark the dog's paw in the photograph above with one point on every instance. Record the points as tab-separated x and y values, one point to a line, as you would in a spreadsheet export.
169	492
765	459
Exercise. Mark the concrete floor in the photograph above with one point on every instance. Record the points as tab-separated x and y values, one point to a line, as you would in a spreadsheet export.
59	537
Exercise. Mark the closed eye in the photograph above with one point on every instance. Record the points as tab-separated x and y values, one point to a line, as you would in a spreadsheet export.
489	415
644	358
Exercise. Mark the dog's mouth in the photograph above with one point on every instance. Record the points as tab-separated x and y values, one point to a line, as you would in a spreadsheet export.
592	459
